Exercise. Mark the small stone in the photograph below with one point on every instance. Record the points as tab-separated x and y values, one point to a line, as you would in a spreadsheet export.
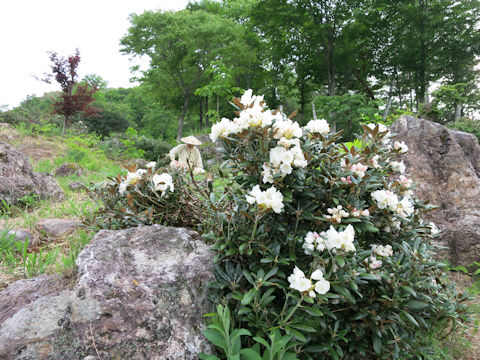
69	170
76	185
57	227
22	236
89	357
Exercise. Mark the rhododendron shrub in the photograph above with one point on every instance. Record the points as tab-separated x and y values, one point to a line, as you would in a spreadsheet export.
322	242
149	196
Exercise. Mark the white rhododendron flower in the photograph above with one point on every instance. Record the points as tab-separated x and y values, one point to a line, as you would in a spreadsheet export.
287	129
434	230
359	170
405	207
283	159
385	199
269	199
318	126
151	164
398	166
287	143
405	182
382	129
248	98
162	182
322	286
400	147
336	214
373	262
132	178
342	240
312	242
374	161
358	213
381	250
223	128
267	174
299	282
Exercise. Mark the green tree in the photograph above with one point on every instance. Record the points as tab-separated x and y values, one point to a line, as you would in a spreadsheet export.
180	45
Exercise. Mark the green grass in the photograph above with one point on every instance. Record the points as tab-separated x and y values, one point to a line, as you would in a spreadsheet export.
58	255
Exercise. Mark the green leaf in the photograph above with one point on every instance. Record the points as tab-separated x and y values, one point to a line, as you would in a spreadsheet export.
249	354
344	292
215	338
415	304
377	344
304	327
248	297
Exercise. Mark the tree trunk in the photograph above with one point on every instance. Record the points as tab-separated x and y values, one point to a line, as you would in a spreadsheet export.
389	102
66	120
182	116
207	123
314	113
423	56
458	112
218	107
201	113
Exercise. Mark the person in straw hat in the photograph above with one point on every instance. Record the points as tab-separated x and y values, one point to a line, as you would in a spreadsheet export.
187	153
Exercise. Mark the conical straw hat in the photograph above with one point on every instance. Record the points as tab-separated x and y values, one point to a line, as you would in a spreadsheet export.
191	140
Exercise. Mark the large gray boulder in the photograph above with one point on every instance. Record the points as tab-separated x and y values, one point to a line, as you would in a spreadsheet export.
139	294
446	166
17	178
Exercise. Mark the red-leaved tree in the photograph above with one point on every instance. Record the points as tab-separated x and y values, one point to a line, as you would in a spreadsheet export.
76	98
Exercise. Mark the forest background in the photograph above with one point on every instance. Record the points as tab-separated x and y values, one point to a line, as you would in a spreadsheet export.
347	61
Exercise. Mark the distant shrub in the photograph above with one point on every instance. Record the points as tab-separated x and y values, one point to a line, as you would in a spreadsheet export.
148	196
467	125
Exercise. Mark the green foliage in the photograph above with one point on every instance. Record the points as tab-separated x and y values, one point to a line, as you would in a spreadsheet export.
221	334
347	111
20	261
356	302
467	125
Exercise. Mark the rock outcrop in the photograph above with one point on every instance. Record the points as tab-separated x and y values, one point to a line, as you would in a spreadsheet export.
17	178
445	164
140	294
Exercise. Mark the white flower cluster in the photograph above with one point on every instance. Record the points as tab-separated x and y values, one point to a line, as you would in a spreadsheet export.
330	240
248	98
373	262
374	161
298	281
162	182
151	165
388	199
382	129
313	242
381	250
398	166
358	213
281	160
132	178
269	199
400	147
286	129
319	126
385	199
342	240
359	169
336	214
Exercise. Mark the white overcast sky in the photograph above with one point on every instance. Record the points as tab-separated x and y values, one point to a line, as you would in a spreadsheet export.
31	28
